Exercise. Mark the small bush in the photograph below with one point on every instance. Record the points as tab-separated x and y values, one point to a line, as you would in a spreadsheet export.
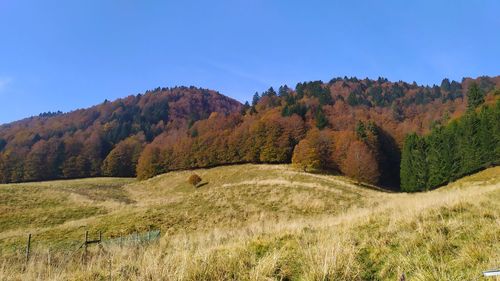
194	180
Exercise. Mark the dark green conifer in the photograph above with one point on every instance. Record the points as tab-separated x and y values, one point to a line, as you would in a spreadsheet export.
475	97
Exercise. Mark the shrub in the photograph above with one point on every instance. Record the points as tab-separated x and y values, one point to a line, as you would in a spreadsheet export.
194	180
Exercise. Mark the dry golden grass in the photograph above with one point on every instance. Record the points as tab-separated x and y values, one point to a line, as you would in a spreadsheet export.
264	222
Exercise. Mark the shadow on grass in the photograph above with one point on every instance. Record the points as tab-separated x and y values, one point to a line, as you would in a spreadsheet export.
201	184
362	184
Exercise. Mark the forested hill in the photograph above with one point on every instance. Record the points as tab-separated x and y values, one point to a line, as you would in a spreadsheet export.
352	126
75	144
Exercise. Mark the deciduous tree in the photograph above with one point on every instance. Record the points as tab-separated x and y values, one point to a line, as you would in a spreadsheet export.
361	164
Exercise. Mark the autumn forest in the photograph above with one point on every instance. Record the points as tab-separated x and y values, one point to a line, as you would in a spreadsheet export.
392	134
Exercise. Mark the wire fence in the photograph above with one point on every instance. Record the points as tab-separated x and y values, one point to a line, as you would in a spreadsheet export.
72	247
135	238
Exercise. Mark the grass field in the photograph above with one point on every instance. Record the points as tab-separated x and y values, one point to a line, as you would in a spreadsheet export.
252	222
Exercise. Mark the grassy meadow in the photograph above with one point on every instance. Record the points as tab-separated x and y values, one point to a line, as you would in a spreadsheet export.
251	222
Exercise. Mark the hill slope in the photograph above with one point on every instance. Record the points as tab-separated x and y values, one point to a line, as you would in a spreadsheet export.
184	128
76	144
254	222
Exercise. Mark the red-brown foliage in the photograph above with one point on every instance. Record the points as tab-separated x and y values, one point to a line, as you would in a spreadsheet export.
188	127
361	163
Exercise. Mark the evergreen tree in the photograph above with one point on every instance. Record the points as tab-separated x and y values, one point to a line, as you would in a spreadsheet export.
151	113
285	111
245	108
486	138
352	100
414	170
361	130
475	96
496	131
407	176
468	145
3	143
284	92
255	99
447	153
445	85
321	121
270	92
420	164
455	88
440	156
451	156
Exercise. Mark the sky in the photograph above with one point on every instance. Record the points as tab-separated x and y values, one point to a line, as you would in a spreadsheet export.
65	55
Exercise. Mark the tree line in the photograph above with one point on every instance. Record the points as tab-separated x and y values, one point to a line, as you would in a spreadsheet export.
299	127
104	140
315	126
450	151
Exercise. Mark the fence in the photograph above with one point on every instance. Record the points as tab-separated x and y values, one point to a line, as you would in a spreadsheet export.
127	240
135	238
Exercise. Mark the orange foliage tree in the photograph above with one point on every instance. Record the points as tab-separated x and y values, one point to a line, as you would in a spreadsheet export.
361	163
315	152
122	160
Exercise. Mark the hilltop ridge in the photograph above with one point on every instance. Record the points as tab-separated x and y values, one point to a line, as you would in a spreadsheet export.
182	128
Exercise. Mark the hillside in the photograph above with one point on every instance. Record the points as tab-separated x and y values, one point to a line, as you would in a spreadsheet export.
76	144
252	222
232	195
183	128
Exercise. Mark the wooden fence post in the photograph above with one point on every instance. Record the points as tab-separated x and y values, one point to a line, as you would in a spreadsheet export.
28	248
86	240
48	261
110	271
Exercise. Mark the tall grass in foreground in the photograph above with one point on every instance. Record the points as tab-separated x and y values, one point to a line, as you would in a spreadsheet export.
448	234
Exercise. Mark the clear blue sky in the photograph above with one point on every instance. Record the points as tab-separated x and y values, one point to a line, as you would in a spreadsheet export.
63	55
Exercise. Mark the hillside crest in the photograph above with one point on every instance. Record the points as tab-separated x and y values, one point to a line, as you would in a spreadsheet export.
181	128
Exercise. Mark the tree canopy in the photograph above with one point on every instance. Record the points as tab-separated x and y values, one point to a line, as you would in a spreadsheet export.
344	126
461	147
